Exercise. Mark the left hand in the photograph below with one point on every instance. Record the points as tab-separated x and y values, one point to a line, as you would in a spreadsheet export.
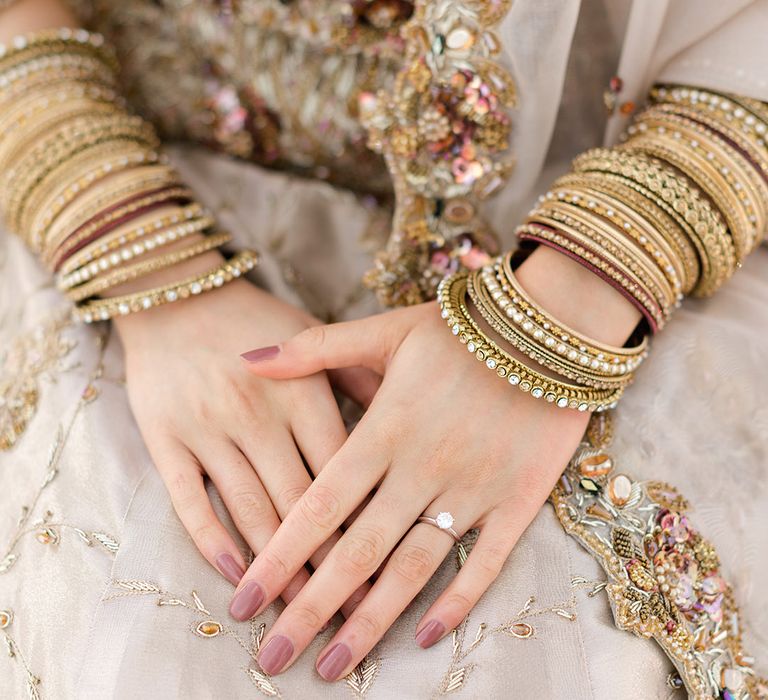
443	433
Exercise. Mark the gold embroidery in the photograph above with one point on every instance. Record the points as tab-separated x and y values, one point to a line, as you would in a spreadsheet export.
30	358
32	681
664	577
206	626
444	130
363	675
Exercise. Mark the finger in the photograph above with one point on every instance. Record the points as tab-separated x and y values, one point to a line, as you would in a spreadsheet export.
485	561
409	569
314	518
183	478
248	503
358	383
357	556
364	343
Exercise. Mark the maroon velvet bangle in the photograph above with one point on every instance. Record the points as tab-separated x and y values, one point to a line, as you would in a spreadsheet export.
60	258
525	236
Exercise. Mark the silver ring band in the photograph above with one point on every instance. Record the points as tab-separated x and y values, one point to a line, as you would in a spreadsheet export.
443	521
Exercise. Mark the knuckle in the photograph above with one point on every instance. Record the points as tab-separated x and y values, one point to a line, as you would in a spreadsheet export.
313	337
320	505
203	534
413	562
250	508
458	601
308	615
361	551
368	624
290	496
491	559
183	489
275	564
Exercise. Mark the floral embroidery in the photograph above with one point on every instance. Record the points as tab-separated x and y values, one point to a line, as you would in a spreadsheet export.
32	681
665	579
31	357
444	130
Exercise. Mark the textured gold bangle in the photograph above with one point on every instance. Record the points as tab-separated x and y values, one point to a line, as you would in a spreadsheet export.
712	170
104	309
611	360
106	245
451	297
57	41
598	188
146	267
120	255
533	346
55	255
44	80
683	200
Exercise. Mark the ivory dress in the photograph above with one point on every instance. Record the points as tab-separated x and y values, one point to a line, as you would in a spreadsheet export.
102	592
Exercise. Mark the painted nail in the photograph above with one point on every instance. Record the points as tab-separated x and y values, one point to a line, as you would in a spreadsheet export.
334	662
430	633
260	354
232	571
276	654
247	601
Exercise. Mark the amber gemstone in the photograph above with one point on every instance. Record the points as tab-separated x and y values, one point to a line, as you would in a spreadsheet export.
5	618
627	108
521	630
596	465
209	628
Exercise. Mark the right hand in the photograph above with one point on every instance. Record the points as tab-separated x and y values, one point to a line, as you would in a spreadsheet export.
201	413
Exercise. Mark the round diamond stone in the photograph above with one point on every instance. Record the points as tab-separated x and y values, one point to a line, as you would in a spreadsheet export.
444	520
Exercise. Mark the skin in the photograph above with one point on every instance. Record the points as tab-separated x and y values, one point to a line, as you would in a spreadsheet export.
427	443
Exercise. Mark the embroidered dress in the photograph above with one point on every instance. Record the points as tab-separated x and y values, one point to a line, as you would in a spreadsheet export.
378	145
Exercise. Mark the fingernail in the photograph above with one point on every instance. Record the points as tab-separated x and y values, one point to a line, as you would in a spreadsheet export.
247	601
260	354
276	654
334	662
430	633
232	571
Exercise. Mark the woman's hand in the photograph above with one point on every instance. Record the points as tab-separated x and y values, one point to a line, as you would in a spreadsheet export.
201	414
443	434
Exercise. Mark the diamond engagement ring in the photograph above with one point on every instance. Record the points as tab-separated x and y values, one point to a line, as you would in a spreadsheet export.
443	521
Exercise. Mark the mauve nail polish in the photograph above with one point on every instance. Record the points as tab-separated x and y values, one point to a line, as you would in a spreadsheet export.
230	568
334	662
275	654
430	633
247	601
260	354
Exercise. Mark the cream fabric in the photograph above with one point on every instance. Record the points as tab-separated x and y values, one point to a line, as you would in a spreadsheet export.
696	417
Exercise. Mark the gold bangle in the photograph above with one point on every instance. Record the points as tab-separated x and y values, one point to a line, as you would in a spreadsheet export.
104	309
597	188
56	40
534	347
54	256
451	297
695	214
130	251
146	267
103	246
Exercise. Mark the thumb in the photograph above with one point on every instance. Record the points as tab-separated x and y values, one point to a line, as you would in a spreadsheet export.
364	343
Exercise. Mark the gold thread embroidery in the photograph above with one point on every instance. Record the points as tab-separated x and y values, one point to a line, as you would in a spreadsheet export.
444	130
664	577
30	358
363	675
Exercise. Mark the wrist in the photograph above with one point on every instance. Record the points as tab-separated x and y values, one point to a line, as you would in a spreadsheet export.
577	297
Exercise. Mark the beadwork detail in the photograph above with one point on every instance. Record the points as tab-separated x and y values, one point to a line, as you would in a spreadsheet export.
444	130
665	578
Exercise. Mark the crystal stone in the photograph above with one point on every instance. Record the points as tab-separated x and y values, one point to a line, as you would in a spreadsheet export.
444	520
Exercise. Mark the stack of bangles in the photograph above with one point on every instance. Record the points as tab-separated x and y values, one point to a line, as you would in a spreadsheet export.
82	181
672	211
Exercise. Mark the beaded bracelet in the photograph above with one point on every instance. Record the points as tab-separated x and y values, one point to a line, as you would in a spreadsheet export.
104	309
451	294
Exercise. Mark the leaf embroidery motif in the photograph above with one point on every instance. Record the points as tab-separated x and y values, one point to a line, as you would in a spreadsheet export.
363	675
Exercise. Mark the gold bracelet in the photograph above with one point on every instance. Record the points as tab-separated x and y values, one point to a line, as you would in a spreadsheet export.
602	193
56	40
9	94
451	297
54	256
104	309
103	246
696	214
133	250
612	360
533	347
146	267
